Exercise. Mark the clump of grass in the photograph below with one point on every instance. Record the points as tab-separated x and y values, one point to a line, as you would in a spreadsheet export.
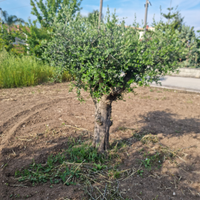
22	71
149	138
66	76
139	135
84	152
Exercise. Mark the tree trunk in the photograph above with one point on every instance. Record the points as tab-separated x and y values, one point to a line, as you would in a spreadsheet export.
102	123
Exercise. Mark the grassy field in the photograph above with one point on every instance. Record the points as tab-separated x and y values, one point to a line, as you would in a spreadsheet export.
25	71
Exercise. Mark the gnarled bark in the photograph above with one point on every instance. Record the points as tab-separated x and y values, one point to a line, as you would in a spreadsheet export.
102	123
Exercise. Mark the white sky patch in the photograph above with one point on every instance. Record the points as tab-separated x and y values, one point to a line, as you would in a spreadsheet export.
185	4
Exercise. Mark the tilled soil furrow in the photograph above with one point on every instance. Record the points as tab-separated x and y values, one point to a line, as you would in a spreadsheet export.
10	127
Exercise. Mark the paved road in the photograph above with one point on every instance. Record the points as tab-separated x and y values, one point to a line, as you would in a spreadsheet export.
181	83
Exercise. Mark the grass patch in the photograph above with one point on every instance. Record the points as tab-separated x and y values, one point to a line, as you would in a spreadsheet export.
99	174
78	163
22	71
64	167
27	71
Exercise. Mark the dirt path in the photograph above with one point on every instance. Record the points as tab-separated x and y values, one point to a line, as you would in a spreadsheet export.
37	121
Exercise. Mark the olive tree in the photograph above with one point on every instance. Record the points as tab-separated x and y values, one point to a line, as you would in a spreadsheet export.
108	60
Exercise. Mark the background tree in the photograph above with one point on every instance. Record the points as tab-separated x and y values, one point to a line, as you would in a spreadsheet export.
35	38
188	36
45	12
198	46
108	60
7	39
11	19
174	20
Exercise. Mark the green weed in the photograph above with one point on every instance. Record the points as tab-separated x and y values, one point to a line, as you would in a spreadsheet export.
98	167
114	173
122	128
146	97
152	160
140	172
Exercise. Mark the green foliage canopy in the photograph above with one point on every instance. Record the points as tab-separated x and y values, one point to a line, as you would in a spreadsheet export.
45	12
108	60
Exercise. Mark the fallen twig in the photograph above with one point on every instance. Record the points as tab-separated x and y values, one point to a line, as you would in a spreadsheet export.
138	197
77	128
74	172
18	185
104	196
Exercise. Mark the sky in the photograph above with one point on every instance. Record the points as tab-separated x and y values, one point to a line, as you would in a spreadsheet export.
189	9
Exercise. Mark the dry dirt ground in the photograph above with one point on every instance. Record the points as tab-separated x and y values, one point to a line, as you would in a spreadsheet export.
37	121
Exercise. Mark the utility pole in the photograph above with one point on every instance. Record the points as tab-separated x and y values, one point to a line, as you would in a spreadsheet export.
146	12
100	12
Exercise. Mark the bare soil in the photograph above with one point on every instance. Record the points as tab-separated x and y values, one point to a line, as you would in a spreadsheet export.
37	121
